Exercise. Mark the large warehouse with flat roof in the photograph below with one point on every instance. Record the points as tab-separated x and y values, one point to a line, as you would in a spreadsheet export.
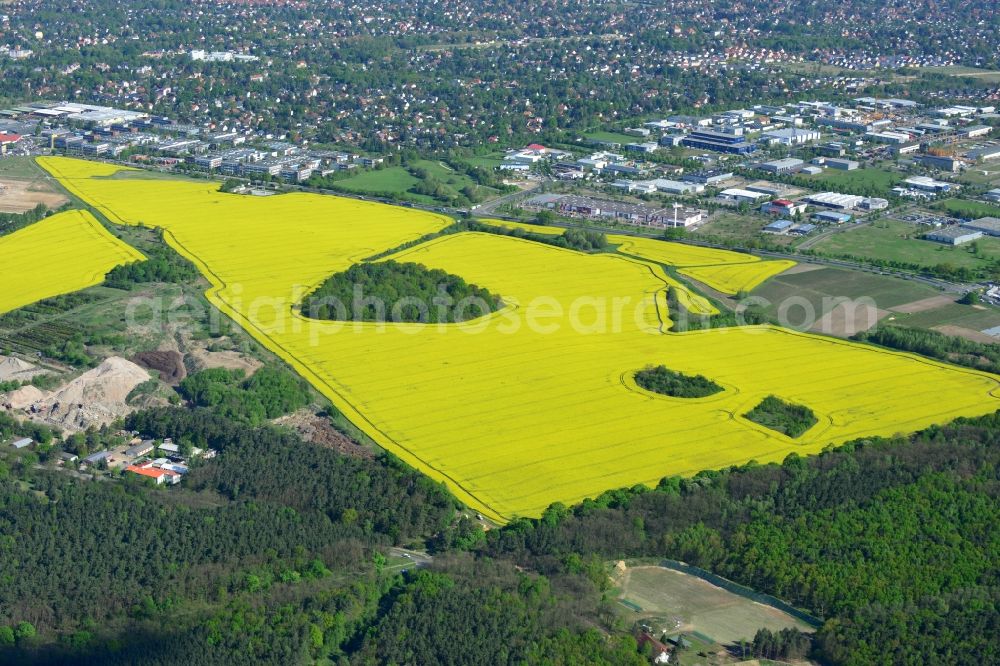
988	225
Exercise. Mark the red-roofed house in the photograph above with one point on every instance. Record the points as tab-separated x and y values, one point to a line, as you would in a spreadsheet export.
783	207
161	476
537	146
7	139
659	653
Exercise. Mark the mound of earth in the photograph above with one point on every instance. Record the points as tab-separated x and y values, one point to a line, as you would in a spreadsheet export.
319	431
24	397
15	370
95	398
170	364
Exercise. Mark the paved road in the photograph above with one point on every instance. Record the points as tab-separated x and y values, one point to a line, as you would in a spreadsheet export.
419	558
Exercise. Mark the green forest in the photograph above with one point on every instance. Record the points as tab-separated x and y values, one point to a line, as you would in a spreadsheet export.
399	292
661	379
784	417
276	552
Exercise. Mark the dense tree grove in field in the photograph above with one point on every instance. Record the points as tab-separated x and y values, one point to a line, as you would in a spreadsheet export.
784	417
661	379
399	292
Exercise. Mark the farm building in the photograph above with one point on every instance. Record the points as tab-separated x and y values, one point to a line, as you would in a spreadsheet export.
992	195
778	227
832	217
988	225
953	235
23	443
658	652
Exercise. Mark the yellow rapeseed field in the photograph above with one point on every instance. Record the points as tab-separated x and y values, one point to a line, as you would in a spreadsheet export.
692	302
723	270
736	278
534	403
63	253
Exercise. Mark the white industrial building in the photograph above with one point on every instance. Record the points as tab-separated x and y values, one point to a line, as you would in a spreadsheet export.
835	200
740	196
792	136
785	165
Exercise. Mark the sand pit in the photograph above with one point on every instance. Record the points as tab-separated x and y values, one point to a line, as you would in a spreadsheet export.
15	370
18	196
24	397
95	398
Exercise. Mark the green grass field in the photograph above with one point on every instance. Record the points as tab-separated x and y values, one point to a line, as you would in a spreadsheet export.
616	137
899	241
394	180
967	209
736	227
867	177
698	605
984	75
20	167
488	162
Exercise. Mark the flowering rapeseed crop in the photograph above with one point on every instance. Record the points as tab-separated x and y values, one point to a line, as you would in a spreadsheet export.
534	403
65	252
